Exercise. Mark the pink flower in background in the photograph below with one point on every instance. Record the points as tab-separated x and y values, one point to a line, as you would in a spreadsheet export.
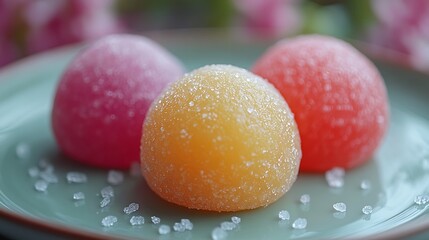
270	18
404	26
29	26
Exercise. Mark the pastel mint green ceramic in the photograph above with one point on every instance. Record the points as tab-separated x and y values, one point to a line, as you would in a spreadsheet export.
398	172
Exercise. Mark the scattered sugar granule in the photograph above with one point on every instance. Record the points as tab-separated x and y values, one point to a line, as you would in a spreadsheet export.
335	177
155	219
135	170
365	185
131	208
48	176
421	199
218	233
107	192
109	221
23	150
104	202
76	177
137	220
164	229
299	223
284	215
367	210
187	223
45	165
115	177
340	207
33	172
235	219
228	226
179	227
305	199
79	196
41	185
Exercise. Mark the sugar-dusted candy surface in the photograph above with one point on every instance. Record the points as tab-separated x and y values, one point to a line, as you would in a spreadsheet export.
337	95
103	96
220	139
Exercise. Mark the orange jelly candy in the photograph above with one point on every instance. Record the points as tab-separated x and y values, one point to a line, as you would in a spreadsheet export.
220	139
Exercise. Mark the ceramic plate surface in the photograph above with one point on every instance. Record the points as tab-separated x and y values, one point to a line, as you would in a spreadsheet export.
398	172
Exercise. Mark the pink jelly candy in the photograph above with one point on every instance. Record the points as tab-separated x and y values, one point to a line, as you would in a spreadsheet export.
103	96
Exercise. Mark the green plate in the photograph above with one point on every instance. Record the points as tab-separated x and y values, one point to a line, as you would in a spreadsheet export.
398	172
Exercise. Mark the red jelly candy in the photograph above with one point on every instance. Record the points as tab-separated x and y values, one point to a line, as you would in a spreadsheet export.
337	95
103	96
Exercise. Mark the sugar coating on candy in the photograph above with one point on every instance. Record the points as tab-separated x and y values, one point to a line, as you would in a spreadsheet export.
337	95
103	96
203	148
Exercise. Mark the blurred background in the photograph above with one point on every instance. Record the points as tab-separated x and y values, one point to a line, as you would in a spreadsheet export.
31	26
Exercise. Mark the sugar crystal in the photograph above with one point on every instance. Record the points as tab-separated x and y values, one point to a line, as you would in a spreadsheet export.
23	150
48	176
187	223
228	226
305	199
115	177
155	219
137	220
107	192
218	233
179	227
164	229
421	199
299	223
340	207
79	196
284	215
109	221
335	177
76	177
131	208
236	219
33	172
104	202
41	185
45	165
367	210
365	185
